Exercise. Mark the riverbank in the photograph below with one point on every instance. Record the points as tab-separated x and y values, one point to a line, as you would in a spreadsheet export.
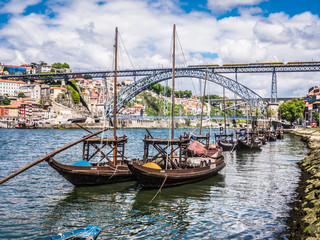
304	218
141	123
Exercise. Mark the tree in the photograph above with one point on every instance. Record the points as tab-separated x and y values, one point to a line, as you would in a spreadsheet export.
60	65
6	101
21	95
269	112
6	69
291	110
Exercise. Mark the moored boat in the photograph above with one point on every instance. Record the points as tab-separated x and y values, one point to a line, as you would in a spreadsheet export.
185	164
174	161
225	141
105	171
110	168
248	140
87	233
271	135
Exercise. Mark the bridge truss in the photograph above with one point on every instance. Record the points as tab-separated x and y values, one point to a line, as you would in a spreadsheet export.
152	76
140	85
148	72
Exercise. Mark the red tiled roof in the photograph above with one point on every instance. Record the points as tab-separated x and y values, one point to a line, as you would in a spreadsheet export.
12	81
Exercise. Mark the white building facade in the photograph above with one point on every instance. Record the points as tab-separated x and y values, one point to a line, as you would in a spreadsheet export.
10	88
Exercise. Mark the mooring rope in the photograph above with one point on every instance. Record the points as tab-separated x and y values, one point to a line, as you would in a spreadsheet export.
159	189
115	170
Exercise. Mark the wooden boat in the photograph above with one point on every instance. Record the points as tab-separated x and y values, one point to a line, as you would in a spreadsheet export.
225	141
180	166
111	167
271	136
279	133
175	162
248	140
87	233
24	125
106	171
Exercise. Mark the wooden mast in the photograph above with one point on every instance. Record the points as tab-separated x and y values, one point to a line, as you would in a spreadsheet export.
115	98
224	110
173	80
204	94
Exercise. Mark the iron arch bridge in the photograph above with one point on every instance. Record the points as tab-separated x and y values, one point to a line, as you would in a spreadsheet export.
125	95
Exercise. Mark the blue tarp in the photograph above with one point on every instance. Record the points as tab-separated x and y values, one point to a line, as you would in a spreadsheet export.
83	164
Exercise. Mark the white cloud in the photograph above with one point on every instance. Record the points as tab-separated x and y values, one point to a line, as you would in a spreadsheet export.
17	6
220	6
82	34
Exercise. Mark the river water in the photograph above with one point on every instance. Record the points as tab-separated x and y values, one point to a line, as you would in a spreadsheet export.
249	199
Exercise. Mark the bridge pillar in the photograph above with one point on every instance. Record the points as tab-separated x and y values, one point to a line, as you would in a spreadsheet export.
234	95
274	87
63	82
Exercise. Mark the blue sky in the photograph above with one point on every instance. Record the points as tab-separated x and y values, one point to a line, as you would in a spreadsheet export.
80	32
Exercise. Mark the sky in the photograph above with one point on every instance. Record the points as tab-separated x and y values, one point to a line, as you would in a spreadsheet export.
81	33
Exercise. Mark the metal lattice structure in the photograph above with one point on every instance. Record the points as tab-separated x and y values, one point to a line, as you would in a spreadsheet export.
274	87
148	72
124	96
213	70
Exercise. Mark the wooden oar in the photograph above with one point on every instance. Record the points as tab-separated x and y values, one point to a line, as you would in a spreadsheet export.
49	155
83	128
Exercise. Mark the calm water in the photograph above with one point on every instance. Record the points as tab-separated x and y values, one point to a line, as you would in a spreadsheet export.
247	200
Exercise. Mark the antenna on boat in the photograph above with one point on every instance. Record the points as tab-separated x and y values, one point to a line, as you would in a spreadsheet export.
204	94
115	96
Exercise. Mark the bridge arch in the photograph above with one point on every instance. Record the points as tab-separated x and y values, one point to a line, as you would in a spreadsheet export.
125	95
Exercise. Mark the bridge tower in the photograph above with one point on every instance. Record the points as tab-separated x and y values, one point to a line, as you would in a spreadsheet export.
274	87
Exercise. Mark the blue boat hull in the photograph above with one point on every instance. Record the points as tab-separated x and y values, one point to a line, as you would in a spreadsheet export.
90	232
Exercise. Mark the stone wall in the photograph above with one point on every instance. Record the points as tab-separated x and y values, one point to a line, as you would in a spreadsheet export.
304	221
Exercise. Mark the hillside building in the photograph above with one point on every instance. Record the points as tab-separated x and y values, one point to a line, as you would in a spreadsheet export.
10	87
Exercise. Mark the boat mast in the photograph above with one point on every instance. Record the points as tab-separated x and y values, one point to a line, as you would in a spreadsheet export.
173	79
204	94
115	97
224	110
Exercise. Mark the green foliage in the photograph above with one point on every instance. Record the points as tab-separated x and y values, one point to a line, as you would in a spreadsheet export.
60	65
188	122
291	110
315	116
161	90
178	109
75	95
6	69
257	113
214	96
183	94
6	101
21	95
158	106
269	113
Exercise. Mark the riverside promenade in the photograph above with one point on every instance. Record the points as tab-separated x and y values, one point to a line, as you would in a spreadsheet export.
304	220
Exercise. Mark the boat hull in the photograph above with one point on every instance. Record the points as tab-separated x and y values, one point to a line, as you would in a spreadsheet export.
242	144
226	146
156	178
87	233
90	176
